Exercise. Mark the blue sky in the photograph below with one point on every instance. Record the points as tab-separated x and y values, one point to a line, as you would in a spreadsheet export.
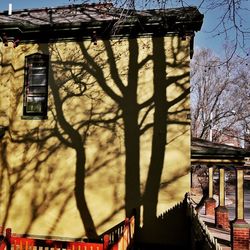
22	4
202	39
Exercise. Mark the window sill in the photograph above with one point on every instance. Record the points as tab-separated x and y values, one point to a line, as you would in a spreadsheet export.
34	117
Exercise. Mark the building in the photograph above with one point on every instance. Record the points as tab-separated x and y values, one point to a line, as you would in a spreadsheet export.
229	137
95	106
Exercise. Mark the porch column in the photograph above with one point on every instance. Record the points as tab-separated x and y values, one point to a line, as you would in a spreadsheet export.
221	212
210	202
240	228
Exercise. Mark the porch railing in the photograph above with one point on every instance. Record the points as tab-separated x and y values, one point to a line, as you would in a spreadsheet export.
12	242
121	234
125	240
119	237
200	232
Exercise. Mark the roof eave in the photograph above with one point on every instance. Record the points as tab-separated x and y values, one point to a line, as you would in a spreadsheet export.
156	25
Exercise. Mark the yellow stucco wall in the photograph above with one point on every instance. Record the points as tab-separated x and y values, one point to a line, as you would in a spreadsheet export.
38	158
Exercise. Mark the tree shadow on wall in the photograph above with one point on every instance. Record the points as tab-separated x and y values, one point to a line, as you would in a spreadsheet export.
38	152
107	101
27	169
121	89
20	165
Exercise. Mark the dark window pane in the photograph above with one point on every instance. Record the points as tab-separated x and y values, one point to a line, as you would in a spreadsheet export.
37	80
35	104
38	70
39	64
37	90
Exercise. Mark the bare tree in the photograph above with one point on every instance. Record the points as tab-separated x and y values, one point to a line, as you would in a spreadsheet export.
231	22
220	102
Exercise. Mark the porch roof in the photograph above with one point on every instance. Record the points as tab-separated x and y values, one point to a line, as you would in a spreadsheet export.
207	152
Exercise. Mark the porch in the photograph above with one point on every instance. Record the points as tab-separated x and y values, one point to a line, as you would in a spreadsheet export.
233	229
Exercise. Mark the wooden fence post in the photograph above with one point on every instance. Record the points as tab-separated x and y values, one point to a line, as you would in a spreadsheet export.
2	242
8	238
105	242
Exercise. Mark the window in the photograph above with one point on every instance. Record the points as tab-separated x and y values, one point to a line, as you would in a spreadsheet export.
36	86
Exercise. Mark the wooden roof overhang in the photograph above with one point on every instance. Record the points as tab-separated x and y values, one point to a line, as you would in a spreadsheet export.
77	22
210	153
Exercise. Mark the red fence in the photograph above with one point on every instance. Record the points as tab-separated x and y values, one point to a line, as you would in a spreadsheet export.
12	242
125	241
124	238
